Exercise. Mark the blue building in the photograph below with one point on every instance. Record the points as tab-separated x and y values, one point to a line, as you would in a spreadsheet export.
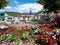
2	16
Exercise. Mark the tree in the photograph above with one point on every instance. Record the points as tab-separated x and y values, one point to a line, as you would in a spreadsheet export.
50	5
3	3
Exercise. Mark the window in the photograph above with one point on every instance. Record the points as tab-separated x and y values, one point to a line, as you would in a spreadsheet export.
2	14
9	18
2	19
21	18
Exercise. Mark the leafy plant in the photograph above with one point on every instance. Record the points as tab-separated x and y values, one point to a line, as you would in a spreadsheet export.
18	28
37	31
4	37
14	38
31	40
0	41
34	27
24	36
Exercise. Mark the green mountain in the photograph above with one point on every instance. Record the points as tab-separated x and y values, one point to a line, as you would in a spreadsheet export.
15	14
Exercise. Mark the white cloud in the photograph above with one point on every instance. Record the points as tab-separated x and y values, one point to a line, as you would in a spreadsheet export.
34	7
16	2
23	8
8	7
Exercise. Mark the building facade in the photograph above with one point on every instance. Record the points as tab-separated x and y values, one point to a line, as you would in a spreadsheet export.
11	18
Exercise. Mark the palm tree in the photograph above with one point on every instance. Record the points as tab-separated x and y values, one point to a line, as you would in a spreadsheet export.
3	3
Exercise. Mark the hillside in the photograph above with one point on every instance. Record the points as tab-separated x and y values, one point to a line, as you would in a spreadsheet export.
16	14
13	14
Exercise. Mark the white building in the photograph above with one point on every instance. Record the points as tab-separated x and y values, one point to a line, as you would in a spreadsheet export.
8	19
18	18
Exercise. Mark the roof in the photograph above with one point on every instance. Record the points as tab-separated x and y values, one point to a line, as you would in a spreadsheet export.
16	14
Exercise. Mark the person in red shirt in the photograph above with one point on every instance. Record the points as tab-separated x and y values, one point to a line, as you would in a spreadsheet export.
58	39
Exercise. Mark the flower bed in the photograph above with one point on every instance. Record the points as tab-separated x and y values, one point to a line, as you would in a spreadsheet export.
29	34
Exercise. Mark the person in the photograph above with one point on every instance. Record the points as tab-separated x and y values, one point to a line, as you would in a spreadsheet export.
56	18
51	41
58	39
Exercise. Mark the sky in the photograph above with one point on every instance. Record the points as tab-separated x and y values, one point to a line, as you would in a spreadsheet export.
23	6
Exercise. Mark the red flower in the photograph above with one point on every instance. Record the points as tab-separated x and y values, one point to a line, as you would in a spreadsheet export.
0	33
52	24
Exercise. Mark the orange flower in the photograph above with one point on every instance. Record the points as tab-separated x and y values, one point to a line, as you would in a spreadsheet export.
47	39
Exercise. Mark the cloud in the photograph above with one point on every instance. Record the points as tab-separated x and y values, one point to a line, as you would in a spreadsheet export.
34	7
25	8
8	7
16	2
